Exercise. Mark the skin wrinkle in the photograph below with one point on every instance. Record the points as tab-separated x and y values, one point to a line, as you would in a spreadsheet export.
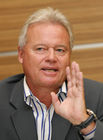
45	84
52	35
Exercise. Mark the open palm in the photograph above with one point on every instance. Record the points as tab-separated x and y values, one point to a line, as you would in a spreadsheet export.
73	107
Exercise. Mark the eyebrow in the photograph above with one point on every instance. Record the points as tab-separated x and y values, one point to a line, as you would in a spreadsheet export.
40	45
61	45
58	45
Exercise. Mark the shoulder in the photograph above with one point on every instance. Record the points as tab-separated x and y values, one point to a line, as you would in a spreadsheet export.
12	79
92	85
92	82
93	94
7	85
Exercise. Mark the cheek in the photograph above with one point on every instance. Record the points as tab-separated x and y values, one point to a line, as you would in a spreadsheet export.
68	61
65	62
33	63
28	62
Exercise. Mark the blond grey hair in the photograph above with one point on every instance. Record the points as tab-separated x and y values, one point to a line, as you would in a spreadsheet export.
45	15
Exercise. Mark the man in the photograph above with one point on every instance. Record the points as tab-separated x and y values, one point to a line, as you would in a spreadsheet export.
50	101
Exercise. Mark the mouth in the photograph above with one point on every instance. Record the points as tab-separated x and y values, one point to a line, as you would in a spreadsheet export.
50	69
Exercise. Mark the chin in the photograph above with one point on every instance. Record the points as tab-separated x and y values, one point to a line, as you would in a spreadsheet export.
52	83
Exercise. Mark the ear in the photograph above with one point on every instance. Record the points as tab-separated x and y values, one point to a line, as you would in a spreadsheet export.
20	55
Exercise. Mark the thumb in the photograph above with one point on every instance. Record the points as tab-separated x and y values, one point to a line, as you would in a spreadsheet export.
55	101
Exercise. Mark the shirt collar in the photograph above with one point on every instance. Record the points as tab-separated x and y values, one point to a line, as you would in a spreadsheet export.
26	89
61	94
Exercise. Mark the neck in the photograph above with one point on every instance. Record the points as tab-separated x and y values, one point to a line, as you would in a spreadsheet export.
43	94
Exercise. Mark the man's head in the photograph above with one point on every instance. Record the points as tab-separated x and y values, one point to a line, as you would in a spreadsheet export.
45	15
45	49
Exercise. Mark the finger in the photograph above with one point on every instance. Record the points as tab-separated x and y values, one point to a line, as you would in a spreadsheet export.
73	73
80	81
55	101
69	79
68	74
77	68
78	75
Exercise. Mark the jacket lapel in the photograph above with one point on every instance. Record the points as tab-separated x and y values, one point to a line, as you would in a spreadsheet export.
22	118
24	122
60	127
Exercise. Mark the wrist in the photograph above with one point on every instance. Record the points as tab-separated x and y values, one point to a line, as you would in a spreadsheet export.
88	129
88	124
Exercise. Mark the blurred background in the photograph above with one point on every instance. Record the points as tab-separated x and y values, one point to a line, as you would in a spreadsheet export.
86	17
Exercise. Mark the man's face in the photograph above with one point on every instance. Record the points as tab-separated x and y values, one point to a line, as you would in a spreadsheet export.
46	55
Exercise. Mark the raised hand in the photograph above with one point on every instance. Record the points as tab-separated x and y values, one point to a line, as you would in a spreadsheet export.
73	107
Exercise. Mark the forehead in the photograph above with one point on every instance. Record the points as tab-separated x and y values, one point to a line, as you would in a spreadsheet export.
47	26
48	30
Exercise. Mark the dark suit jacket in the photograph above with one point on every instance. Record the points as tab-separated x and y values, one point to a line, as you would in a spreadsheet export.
17	121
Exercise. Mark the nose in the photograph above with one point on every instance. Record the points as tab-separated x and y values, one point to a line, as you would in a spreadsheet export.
51	55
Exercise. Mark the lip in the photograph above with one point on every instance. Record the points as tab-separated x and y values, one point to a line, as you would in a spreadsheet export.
51	71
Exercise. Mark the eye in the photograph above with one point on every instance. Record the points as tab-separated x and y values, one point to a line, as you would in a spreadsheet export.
60	50
40	49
